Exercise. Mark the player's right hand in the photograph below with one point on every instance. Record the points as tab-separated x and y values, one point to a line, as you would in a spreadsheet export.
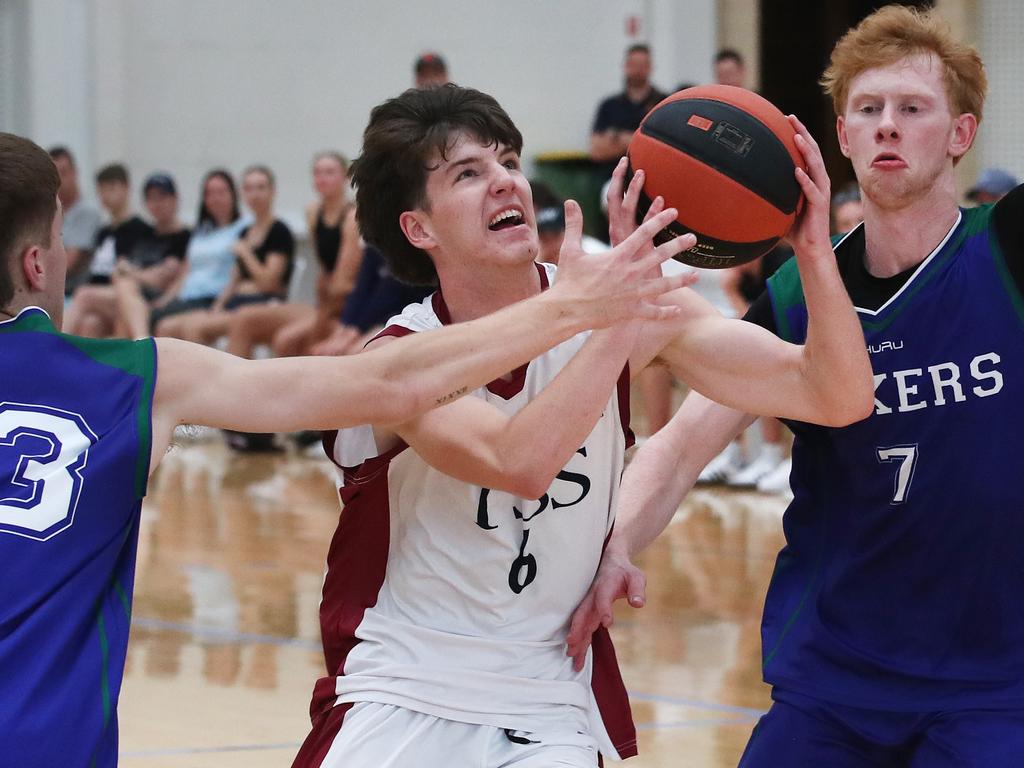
623	283
616	578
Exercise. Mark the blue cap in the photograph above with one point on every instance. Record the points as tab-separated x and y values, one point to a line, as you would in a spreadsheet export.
993	181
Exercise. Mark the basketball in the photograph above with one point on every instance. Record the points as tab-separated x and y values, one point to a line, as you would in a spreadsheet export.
725	158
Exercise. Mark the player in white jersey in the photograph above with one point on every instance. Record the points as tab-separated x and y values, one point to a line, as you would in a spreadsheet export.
467	537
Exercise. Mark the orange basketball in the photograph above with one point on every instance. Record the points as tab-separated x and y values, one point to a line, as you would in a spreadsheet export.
725	158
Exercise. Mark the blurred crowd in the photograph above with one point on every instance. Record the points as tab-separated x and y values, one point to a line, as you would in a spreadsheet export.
235	277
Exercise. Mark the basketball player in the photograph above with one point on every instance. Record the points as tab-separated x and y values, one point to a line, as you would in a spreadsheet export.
893	634
468	537
83	423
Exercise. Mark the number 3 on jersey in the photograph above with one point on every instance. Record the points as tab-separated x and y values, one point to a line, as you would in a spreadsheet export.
906	456
42	453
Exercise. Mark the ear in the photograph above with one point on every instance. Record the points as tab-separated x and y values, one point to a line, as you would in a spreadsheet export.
844	144
965	128
33	268
416	227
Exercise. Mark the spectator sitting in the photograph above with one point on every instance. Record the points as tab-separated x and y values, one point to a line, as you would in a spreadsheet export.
264	253
141	280
93	306
210	257
292	328
81	220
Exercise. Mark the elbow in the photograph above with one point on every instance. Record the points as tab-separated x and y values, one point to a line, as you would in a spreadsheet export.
525	484
851	409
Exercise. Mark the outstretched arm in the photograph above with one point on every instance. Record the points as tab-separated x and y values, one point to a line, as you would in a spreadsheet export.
196	385
663	471
827	380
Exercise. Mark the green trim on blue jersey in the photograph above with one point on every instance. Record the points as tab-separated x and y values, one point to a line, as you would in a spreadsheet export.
136	358
785	291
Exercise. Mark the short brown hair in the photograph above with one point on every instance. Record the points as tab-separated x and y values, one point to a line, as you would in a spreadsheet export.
28	202
895	32
390	177
115	173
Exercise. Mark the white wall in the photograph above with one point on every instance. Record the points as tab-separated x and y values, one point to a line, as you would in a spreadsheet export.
1001	139
185	85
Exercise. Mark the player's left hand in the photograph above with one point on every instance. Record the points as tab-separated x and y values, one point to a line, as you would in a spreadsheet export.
616	578
810	234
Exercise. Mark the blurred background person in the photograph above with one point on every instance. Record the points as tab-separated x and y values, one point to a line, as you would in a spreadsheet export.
156	261
991	186
847	209
210	257
292	328
730	68
430	71
92	310
264	255
81	220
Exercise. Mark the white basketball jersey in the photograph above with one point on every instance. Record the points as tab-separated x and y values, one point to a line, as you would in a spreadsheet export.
454	600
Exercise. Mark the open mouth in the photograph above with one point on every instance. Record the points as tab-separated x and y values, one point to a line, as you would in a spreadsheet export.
887	159
507	219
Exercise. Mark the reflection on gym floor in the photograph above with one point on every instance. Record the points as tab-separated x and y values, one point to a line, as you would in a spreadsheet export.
225	640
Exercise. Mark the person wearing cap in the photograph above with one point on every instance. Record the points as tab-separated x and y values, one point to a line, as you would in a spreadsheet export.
430	70
991	186
146	263
549	210
143	279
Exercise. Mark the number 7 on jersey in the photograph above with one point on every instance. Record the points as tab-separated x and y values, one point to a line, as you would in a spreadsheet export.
906	455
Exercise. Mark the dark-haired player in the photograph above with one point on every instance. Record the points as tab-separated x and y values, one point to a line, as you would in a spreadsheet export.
84	422
893	634
468	536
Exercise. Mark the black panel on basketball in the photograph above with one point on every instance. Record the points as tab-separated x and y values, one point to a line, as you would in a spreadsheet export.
738	145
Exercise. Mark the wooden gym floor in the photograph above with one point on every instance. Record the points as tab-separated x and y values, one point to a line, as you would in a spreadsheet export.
225	641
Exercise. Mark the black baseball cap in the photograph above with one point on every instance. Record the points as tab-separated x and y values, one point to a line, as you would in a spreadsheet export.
160	181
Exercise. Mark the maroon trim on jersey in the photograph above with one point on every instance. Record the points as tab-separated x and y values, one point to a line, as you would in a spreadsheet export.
357	559
506	389
398	331
326	726
606	682
622	390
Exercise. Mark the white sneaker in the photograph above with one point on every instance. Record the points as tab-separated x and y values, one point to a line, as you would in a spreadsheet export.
777	481
722	467
766	462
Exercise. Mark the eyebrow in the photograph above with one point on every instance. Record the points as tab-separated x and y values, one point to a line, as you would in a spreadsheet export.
476	158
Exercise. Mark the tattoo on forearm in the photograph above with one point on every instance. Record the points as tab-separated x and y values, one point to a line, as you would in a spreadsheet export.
452	396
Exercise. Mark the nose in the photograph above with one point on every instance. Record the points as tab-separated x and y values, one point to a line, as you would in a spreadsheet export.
501	179
887	128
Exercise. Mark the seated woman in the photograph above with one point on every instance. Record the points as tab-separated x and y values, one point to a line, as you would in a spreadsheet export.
264	253
209	258
292	328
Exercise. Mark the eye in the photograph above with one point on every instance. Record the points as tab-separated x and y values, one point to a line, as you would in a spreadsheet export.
512	164
868	109
911	108
466	173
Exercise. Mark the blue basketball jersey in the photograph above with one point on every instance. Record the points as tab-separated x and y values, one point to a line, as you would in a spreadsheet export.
75	419
901	585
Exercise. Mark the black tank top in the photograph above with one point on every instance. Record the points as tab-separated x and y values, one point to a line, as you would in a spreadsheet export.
328	240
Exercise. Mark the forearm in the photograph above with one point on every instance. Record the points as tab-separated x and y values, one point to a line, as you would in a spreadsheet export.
666	468
836	366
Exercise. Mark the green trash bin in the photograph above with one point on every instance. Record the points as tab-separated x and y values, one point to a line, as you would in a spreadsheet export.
574	175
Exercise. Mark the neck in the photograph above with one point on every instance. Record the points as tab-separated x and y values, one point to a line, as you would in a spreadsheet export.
263	218
638	92
116	217
332	203
473	294
167	227
899	238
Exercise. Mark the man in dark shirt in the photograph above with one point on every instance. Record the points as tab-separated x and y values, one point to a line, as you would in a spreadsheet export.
620	115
